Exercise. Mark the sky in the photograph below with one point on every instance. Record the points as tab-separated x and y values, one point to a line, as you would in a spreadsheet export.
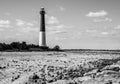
76	24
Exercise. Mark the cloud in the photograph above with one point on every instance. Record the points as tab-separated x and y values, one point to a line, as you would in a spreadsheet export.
97	14
55	27
30	24
23	23
104	33
5	23
20	22
102	20
108	19
24	26
51	20
58	29
117	27
28	29
5	26
62	26
91	31
62	8
60	38
57	32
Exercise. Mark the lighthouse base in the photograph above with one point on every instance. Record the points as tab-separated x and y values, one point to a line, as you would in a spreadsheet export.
42	39
43	47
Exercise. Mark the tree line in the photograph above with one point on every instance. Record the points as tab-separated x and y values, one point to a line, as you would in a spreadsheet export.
23	46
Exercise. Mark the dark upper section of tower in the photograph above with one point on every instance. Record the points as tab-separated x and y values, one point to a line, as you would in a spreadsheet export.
42	26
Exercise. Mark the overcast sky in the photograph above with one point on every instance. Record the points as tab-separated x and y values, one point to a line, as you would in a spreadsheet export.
69	23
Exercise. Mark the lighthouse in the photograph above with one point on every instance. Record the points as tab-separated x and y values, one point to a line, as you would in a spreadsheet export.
42	33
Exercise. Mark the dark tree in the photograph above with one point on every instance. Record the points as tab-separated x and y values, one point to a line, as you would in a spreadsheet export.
56	48
15	45
24	45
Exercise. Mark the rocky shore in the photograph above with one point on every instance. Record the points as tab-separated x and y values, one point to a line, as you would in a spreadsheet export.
59	68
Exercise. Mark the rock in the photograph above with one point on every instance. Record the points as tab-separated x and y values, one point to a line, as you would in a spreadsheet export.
59	82
93	72
113	67
92	81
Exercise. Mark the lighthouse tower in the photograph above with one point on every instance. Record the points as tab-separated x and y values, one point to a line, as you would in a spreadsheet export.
42	34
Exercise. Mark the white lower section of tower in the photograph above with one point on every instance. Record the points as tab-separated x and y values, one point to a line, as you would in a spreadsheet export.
42	39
